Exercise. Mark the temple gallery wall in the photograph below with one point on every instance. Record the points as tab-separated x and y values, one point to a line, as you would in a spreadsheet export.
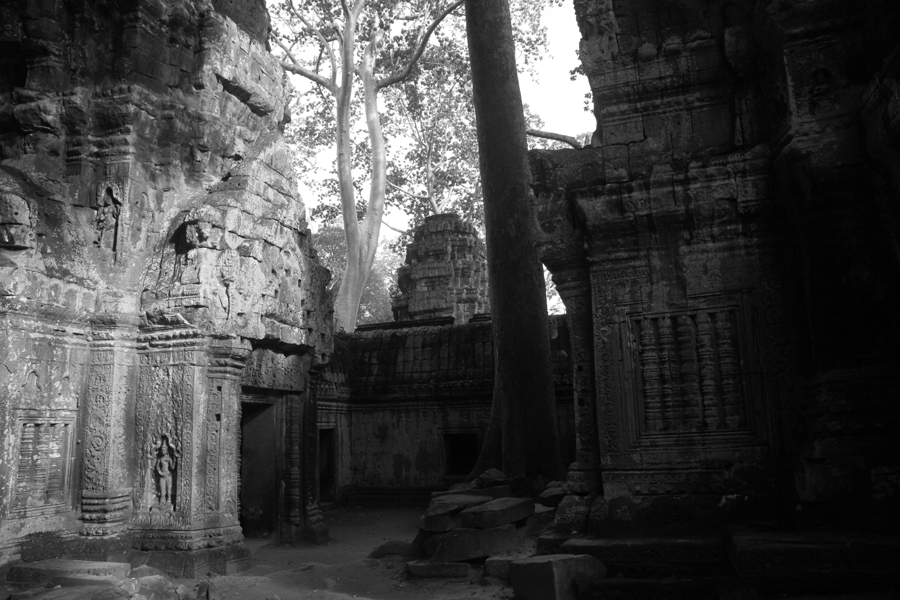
726	249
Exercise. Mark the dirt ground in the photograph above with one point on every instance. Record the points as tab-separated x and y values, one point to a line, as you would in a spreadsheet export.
340	569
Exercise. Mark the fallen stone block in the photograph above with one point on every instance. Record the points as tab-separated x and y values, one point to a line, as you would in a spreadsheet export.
431	544
467	544
441	513
498	566
78	580
541	520
500	491
553	576
550	543
552	496
492	478
497	513
426	569
43	571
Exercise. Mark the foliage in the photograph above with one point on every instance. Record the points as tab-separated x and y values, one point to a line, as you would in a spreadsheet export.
381	288
428	122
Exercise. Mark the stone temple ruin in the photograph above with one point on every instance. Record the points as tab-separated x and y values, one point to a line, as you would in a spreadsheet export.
726	249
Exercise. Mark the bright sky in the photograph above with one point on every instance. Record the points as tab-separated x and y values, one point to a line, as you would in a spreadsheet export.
558	100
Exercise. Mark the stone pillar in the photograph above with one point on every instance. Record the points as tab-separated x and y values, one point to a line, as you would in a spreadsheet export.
573	285
187	430
445	274
315	529
109	408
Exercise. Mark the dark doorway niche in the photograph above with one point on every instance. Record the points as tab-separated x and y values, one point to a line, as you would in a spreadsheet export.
261	460
460	453
327	464
13	71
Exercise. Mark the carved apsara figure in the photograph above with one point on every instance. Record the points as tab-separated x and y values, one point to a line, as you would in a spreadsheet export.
166	463
107	220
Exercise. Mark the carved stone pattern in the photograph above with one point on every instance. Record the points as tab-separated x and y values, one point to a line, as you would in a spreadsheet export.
577	299
669	372
42	469
96	431
230	449
213	451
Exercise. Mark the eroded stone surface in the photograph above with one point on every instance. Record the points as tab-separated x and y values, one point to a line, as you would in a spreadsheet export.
497	513
153	259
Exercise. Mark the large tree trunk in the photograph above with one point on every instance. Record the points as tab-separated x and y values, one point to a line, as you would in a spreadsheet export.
524	411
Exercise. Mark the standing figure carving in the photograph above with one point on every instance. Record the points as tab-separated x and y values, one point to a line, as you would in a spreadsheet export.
107	219
163	471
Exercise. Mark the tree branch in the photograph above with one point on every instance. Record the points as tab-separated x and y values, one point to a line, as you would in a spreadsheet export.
322	40
299	70
389	226
555	136
408	193
404	73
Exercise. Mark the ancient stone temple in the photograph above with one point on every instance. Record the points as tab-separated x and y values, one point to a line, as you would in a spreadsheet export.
726	252
157	295
445	274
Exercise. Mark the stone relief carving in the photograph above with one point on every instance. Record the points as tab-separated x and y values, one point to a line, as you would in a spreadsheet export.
108	213
165	464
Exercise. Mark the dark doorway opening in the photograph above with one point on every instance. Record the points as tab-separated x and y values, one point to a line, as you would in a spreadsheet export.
260	466
326	465
460	453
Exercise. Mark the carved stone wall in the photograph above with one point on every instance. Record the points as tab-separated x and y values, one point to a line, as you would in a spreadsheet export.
445	274
152	244
724	250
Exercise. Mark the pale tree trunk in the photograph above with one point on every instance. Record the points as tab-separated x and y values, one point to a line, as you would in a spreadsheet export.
523	414
345	307
362	238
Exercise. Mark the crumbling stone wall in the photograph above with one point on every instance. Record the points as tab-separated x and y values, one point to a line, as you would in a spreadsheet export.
725	251
396	391
152	244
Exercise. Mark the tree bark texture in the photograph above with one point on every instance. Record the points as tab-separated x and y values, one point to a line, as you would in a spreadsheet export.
523	408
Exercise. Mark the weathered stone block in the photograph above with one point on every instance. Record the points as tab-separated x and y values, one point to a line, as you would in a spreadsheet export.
572	514
492	477
467	544
498	566
426	569
552	496
553	576
500	491
442	513
43	571
541	520
497	512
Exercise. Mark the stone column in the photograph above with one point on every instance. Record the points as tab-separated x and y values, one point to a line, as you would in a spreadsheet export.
187	427
573	285
109	409
315	529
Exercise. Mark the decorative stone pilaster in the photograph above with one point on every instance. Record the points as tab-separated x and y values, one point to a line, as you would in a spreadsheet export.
573	285
187	434
315	529
109	407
